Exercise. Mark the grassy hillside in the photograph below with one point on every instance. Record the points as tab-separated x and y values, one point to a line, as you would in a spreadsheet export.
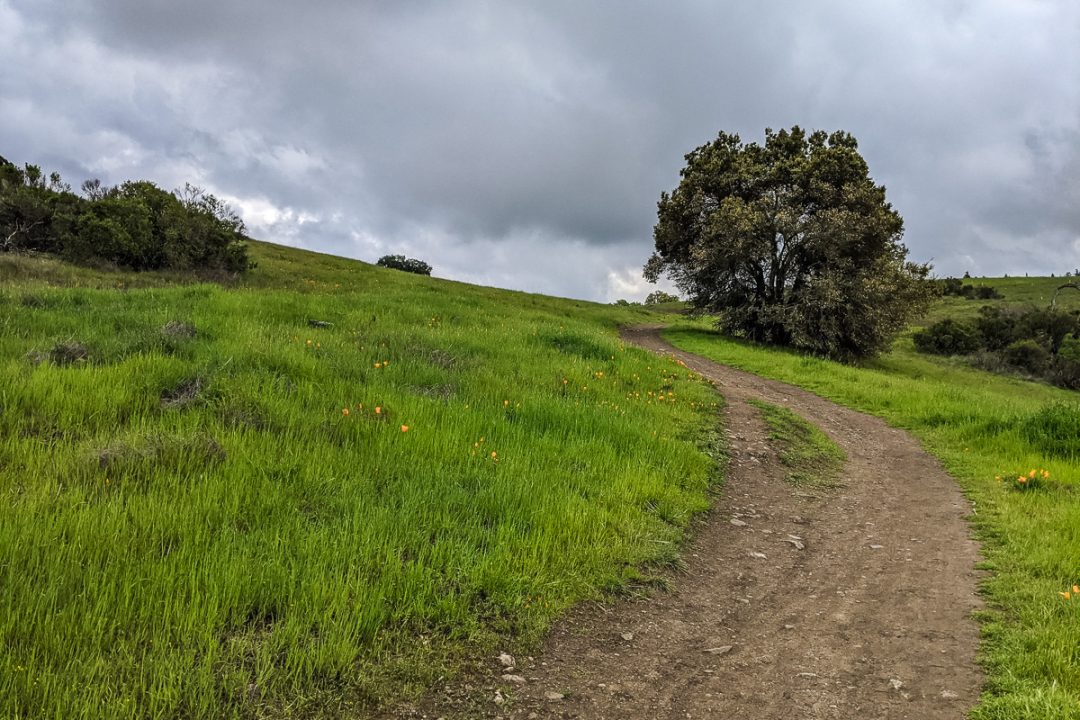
987	430
1019	291
318	488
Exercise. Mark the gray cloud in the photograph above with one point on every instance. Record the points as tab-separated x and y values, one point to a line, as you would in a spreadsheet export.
526	146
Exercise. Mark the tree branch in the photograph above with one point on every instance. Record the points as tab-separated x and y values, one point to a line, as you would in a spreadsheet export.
1073	285
25	228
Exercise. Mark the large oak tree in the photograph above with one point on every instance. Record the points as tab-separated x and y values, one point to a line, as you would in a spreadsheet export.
790	243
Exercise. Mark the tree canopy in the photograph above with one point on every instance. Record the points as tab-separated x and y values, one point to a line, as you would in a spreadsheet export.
135	225
790	243
659	297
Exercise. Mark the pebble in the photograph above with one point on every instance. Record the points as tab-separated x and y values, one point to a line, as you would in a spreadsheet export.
737	522
627	636
721	650
553	696
506	660
516	679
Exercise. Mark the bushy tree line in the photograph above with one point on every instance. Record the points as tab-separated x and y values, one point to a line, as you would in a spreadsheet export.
400	262
956	287
1041	342
135	225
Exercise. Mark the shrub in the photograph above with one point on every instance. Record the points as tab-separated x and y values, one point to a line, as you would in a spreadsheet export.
986	292
998	327
947	337
135	225
1048	327
400	262
1065	366
1064	372
951	286
957	288
1043	342
1070	349
1028	355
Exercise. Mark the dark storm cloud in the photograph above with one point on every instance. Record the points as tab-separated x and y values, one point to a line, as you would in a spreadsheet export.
526	146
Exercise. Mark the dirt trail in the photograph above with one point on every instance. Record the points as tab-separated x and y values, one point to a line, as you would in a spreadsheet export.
870	619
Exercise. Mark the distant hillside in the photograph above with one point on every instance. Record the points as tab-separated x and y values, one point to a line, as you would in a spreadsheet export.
1016	291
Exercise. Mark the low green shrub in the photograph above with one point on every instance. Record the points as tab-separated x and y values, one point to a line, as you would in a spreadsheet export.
948	337
1042	342
135	225
400	262
1028	355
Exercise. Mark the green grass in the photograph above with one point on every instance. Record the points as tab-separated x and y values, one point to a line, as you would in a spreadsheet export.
812	459
981	426
192	527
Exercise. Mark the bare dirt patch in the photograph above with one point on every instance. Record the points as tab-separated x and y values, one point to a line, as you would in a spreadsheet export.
848	602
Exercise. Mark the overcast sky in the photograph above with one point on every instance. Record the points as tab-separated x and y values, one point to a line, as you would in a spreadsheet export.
525	145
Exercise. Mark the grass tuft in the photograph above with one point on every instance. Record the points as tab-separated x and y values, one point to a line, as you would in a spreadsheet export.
812	459
1054	430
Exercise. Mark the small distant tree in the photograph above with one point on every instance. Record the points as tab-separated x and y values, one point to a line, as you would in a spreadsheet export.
658	297
790	243
400	262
